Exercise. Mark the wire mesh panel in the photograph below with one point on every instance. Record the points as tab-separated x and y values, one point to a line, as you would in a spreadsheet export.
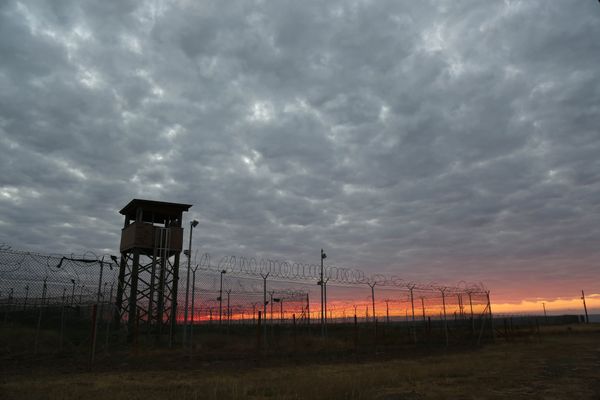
28	279
233	295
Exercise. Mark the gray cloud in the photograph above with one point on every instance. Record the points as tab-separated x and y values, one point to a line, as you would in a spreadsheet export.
434	140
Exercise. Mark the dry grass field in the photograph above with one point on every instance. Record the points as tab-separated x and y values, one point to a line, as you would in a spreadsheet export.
563	363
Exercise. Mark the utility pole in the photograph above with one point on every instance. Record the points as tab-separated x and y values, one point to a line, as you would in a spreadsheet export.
545	316
587	318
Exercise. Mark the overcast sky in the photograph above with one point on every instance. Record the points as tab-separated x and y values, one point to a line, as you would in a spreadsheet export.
441	140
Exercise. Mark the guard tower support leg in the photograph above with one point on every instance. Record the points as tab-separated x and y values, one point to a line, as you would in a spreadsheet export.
175	286
131	317
120	289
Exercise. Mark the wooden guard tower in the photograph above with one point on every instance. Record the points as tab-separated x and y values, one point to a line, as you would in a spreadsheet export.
151	242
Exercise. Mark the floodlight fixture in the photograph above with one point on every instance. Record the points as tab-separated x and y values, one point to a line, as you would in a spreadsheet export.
188	253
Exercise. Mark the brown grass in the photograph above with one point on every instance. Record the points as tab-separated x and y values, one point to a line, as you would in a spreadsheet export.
563	364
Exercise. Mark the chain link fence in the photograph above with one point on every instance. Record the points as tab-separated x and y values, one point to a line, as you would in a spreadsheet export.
51	303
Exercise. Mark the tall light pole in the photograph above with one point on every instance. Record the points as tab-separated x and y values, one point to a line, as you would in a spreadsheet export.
193	301
322	283
221	297
193	224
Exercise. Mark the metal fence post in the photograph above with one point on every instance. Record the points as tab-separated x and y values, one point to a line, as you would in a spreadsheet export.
37	331
62	327
93	334
443	290
258	332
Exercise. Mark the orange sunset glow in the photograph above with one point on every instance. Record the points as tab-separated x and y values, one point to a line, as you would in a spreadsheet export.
553	306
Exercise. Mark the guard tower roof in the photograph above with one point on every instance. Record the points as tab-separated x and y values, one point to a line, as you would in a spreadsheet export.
159	207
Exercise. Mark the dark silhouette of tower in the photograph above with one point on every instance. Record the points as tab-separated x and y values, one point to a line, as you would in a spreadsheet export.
151	243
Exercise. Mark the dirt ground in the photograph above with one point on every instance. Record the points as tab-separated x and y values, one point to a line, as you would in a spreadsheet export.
563	363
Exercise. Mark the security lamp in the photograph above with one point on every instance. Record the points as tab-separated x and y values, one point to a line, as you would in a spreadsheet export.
219	298
323	256
194	223
276	300
224	272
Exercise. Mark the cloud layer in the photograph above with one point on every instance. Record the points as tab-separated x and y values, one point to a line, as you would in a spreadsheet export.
434	140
